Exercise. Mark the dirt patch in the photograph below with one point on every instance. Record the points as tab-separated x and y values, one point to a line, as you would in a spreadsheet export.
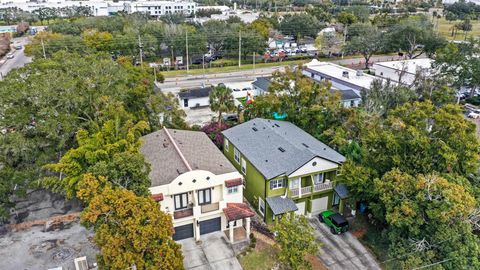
316	263
359	233
34	248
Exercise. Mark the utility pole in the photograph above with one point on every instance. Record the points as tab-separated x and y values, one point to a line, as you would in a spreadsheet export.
186	47
43	48
140	46
253	64
240	49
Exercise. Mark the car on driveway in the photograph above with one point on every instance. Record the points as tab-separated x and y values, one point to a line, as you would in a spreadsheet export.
10	56
336	222
474	114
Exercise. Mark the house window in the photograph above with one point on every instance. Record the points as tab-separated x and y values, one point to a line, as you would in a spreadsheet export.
204	196
319	178
244	166
261	206
294	183
232	190
181	201
352	103
185	103
276	184
236	155
226	145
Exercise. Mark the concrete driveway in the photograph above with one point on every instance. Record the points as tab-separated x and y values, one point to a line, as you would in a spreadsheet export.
214	253
342	251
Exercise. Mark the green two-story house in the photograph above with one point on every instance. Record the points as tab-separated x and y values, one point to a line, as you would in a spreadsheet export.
285	168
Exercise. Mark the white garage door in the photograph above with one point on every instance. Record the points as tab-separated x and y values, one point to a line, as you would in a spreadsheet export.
319	205
301	208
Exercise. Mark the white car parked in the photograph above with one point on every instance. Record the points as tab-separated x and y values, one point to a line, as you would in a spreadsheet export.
474	114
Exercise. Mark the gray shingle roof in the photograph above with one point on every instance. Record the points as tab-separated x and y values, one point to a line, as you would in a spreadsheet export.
349	95
196	147
262	147
262	83
341	190
280	205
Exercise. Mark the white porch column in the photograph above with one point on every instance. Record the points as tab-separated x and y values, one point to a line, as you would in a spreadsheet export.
247	226
230	231
194	198
196	224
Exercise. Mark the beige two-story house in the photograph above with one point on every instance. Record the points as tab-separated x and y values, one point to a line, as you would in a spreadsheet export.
194	182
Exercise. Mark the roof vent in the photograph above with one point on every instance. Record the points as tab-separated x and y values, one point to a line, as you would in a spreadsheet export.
324	149
277	125
165	145
281	149
305	145
359	73
255	129
345	74
266	160
194	180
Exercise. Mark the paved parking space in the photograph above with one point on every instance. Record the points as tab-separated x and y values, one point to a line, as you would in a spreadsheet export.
214	253
342	251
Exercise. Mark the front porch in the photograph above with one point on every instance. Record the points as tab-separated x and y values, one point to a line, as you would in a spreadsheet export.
234	212
239	234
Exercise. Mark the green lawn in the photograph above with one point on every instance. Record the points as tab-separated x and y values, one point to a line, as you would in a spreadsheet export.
259	259
175	73
445	29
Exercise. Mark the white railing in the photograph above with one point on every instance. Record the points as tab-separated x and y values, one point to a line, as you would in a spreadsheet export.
322	186
294	192
306	190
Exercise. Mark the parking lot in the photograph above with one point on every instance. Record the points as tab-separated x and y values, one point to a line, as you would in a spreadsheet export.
342	251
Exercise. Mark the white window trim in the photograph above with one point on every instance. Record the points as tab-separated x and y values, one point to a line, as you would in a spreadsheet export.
232	190
226	145
295	180
236	155
260	203
277	184
244	166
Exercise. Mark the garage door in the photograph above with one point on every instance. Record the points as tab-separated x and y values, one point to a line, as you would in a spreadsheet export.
211	225
183	232
319	205
301	208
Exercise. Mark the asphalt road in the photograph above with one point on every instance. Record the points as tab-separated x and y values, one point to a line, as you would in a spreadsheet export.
342	251
19	60
174	84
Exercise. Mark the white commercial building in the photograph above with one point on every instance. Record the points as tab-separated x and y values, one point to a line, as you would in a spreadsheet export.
195	183
106	8
403	71
160	8
342	78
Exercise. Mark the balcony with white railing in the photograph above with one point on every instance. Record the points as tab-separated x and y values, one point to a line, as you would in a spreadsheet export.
306	190
322	186
294	192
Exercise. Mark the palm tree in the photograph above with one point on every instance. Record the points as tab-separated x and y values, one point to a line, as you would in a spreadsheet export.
221	100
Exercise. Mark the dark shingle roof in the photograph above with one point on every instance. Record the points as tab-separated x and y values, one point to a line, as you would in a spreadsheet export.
349	94
166	163
281	205
341	190
278	147
262	83
195	92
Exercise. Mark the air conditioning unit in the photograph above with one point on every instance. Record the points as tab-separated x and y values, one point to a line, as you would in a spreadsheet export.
359	73
81	263
345	74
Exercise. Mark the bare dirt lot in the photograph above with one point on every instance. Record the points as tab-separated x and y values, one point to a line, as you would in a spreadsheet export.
34	249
